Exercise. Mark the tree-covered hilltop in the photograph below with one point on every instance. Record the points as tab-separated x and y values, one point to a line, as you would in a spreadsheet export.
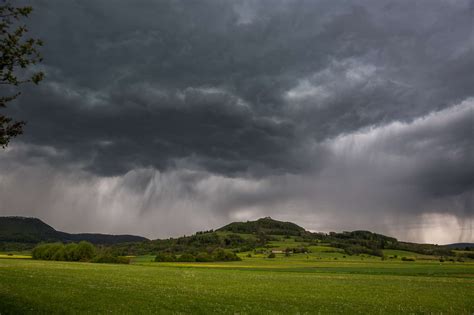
236	236
265	225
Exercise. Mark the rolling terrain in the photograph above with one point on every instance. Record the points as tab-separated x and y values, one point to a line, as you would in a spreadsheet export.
282	268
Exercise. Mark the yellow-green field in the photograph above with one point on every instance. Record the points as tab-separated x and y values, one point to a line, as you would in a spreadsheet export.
15	256
296	284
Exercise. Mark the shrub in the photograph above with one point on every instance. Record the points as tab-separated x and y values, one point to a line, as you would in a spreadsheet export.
38	251
70	252
109	259
468	255
358	250
271	255
47	251
51	250
162	257
203	257
186	258
85	251
221	255
408	259
59	254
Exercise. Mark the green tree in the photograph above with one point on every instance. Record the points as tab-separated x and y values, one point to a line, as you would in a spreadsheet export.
186	257
39	251
203	257
70	252
51	250
17	53
164	257
85	251
59	254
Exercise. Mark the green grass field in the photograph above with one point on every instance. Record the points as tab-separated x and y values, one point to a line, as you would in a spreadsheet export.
295	284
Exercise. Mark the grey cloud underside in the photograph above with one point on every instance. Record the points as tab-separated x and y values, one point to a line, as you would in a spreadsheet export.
314	106
133	77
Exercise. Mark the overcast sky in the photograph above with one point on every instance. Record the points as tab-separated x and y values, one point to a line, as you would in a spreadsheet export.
163	118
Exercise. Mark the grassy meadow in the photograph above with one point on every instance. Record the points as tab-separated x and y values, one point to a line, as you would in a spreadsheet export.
325	281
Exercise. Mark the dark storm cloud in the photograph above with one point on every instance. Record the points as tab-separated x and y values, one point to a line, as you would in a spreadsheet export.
254	107
147	83
132	129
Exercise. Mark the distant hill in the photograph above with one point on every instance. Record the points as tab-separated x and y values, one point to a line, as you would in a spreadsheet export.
460	245
33	230
260	236
23	233
26	230
265	225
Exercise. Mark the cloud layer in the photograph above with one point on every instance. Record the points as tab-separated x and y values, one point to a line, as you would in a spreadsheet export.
166	118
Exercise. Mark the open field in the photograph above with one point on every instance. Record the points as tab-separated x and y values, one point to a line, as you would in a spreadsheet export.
253	285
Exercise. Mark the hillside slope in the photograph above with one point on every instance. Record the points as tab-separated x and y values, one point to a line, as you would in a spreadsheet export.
33	230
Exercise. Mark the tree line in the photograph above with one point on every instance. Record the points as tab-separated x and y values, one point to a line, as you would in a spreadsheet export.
218	254
82	251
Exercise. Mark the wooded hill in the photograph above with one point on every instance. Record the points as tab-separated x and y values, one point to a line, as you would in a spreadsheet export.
32	231
264	225
252	235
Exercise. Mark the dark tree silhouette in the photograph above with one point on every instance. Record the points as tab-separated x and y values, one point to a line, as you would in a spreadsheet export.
17	53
